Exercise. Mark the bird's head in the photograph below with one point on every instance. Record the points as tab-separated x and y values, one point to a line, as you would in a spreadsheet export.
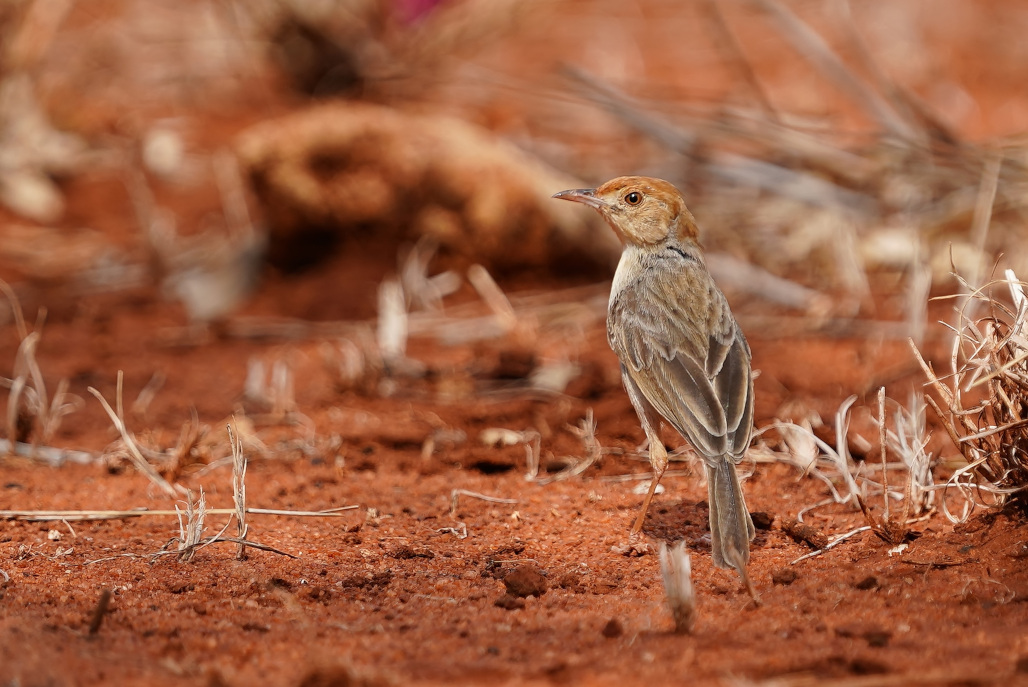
642	211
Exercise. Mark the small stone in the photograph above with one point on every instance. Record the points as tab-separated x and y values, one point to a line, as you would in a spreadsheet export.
633	549
868	583
613	629
784	576
1021	667
526	580
877	638
509	603
604	585
569	579
410	552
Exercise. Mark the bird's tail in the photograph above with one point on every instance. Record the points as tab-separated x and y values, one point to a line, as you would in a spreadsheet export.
731	527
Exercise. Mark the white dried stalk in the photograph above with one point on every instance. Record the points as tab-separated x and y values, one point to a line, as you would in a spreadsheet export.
347	361
493	296
982	219
274	390
16	311
147	394
1016	293
255	385
990	352
817	51
233	195
82	515
239	490
919	285
676	571
17	388
282	388
457	493
812	468
392	322
531	439
191	532
133	450
910	440
816	458
843	462
884	447
586	431
800	441
28	392
424	291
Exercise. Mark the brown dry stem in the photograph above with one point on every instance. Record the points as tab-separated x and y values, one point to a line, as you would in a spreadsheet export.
983	402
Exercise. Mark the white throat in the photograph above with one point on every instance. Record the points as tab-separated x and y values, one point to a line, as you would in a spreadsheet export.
628	265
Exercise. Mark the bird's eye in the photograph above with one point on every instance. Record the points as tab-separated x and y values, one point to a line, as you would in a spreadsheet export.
633	198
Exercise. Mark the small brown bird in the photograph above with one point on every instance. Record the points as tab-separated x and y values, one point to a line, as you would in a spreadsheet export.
683	356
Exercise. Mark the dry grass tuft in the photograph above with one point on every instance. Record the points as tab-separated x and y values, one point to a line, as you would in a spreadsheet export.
239	491
128	440
983	402
32	415
852	483
676	570
190	532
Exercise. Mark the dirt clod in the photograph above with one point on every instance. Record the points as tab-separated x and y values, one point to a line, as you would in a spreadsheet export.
634	549
409	552
613	629
868	583
509	603
526	580
784	576
571	581
378	579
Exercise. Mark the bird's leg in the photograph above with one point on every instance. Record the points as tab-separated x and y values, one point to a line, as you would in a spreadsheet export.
658	460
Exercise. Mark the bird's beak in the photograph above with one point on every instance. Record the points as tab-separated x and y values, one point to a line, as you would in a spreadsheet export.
586	196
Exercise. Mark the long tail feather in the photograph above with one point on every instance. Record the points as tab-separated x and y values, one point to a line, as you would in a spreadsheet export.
731	527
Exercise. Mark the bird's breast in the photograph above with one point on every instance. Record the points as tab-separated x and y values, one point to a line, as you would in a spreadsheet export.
629	270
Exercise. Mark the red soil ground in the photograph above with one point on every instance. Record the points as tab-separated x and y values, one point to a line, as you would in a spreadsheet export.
393	592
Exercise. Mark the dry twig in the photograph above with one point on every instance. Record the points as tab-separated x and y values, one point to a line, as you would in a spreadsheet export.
239	490
457	493
117	418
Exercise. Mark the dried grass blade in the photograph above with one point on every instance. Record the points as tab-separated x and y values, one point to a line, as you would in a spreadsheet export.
134	453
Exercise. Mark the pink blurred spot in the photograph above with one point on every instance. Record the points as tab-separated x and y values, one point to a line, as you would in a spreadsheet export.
413	11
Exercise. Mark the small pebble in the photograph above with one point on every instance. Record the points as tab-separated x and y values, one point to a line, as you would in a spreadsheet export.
868	583
613	629
509	603
526	580
784	576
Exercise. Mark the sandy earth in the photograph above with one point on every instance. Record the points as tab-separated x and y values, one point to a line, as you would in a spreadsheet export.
408	588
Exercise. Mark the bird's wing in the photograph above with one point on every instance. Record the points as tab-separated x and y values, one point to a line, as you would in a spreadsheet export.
681	346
